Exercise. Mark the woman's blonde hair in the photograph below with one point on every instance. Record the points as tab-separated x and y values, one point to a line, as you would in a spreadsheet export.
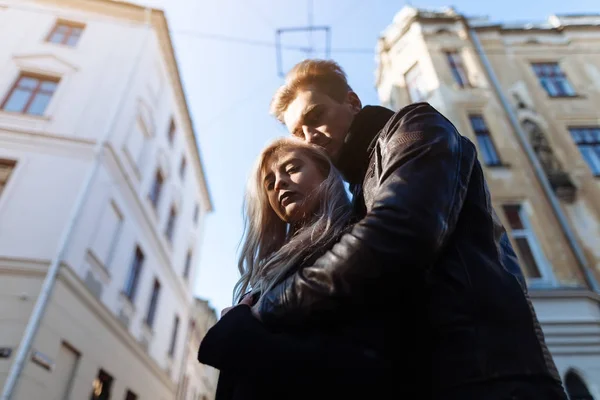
271	249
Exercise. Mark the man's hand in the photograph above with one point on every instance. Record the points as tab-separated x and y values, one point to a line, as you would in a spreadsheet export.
246	301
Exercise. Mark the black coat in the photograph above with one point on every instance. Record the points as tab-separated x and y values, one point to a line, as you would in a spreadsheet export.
257	363
429	242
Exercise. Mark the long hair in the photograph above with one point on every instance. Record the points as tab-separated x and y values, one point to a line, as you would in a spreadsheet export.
272	249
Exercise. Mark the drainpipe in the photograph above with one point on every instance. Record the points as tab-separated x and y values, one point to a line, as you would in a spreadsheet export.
52	273
590	279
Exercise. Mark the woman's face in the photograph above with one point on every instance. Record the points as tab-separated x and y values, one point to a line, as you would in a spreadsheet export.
291	179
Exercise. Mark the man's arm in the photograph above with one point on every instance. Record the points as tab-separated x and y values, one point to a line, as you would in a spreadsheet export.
425	173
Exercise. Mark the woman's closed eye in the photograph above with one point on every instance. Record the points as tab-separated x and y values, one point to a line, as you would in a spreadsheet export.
292	169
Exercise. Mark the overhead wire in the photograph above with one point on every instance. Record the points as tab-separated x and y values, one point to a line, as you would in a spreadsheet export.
259	14
265	43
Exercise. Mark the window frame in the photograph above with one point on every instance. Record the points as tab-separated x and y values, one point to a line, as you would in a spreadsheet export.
538	66
171	223
187	266
497	159
10	165
174	334
417	81
33	93
594	146
546	277
155	201
150	317
171	132
457	67
71	26
134	275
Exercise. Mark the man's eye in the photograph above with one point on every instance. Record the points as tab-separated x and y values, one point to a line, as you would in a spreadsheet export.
314	118
293	169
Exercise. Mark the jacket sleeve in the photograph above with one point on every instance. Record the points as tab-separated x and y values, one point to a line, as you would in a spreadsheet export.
425	170
239	342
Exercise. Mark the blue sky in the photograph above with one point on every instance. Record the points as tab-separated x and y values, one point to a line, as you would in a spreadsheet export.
229	86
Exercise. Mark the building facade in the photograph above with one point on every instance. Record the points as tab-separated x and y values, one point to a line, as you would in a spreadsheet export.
203	318
99	171
549	76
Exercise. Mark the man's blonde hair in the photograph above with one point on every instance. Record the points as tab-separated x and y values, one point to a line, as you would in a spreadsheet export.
325	76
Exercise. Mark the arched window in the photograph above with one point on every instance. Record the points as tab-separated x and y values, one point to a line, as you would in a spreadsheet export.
576	387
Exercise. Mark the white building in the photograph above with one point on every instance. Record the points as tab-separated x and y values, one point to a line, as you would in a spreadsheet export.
549	74
76	76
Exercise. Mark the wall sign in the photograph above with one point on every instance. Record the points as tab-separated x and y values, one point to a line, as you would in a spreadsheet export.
42	360
5	352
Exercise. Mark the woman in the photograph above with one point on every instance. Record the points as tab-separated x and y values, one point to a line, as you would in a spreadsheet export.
296	208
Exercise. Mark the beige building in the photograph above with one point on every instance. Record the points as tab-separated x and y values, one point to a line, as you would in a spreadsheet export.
100	174
543	166
203	318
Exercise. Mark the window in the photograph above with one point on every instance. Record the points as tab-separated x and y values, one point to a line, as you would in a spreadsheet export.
134	274
188	264
6	169
107	233
587	140
196	213
553	79
415	84
171	224
130	395
30	94
154	194
101	386
182	168
172	129
484	140
174	337
137	143
153	303
67	33
524	241
458	69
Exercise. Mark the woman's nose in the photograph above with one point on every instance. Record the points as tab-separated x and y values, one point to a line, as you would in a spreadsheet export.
280	183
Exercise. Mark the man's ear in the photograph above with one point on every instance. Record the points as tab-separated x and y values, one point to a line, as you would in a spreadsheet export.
354	101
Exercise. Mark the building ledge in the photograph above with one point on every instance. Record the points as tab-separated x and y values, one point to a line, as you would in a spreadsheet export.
563	293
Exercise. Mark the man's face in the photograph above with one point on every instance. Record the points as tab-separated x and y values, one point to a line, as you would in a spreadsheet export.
318	119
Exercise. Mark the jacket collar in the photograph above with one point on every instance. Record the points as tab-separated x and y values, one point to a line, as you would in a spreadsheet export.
356	150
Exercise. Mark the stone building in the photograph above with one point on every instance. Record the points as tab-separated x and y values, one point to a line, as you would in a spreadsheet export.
100	174
528	96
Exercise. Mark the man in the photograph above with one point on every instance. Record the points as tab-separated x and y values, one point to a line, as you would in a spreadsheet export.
427	249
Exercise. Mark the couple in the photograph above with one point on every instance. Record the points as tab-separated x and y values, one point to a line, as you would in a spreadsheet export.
411	291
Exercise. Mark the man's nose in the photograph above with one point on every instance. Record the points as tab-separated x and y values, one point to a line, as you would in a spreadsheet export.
311	135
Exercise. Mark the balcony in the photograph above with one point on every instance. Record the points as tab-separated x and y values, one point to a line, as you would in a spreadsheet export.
562	185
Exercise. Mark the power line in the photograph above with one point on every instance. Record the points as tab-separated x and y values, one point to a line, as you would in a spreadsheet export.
266	43
233	105
348	10
260	14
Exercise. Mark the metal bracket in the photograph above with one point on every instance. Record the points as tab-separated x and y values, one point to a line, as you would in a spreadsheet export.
310	49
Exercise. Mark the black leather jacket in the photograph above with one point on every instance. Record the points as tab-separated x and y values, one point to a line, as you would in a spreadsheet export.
428	244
